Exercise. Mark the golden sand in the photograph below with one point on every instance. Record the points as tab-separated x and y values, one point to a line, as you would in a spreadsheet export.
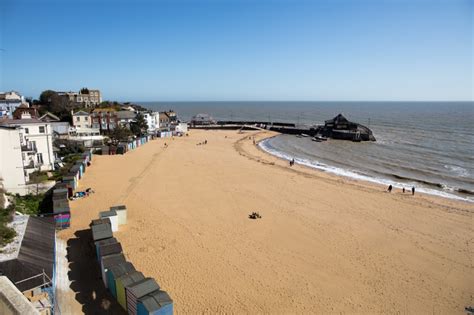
325	244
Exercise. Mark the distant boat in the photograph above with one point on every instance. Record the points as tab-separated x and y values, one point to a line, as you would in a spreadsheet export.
299	136
304	135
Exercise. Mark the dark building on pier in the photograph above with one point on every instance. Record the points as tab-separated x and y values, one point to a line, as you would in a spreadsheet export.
341	128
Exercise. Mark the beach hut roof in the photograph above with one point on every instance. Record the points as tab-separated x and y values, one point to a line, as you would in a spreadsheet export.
155	300
100	221
101	231
132	278
143	287
112	260
36	254
120	207
109	249
108	213
106	241
121	269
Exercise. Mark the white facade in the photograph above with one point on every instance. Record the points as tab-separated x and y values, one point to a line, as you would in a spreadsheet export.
152	120
88	136
181	127
9	101
36	140
12	175
81	119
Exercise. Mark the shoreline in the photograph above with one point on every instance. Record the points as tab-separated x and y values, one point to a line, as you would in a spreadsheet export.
369	182
324	244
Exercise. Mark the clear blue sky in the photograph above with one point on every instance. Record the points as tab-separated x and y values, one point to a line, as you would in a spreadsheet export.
240	50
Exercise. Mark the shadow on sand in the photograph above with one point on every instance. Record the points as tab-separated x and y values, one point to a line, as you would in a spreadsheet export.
85	276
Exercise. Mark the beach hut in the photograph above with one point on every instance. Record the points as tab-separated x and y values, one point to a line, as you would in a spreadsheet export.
101	232
62	220
122	148
100	221
139	290
109	249
112	150
75	171
112	215
121	213
105	150
122	282
155	303
100	243
60	201
70	181
108	261
80	167
115	272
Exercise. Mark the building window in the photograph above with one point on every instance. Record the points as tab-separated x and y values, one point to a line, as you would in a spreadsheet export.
39	156
41	129
27	131
78	118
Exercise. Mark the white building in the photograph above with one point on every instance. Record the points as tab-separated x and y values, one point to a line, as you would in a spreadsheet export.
81	119
89	137
9	101
36	140
181	127
152	120
12	173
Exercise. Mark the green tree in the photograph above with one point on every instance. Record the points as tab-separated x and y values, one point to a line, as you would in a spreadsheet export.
46	97
140	126
84	90
56	104
120	134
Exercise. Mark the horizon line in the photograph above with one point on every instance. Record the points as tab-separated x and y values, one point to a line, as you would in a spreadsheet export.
300	101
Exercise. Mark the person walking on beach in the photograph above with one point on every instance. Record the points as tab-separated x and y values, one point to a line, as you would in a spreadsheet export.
390	188
413	190
403	190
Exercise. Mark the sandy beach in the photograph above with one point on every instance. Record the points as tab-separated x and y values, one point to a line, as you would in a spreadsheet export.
325	244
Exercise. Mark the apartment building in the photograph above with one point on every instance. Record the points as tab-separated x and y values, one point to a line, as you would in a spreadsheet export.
81	119
85	97
26	147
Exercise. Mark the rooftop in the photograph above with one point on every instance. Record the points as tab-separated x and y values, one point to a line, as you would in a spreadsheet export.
36	254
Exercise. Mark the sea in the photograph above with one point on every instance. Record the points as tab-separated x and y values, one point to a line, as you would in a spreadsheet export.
426	145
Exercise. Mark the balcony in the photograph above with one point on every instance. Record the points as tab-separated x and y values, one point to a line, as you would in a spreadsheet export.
30	165
28	148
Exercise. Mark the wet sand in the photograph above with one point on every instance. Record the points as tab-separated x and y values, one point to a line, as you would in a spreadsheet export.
325	244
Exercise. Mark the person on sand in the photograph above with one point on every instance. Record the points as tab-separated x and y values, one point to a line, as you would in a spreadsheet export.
413	190
205	141
390	188
403	189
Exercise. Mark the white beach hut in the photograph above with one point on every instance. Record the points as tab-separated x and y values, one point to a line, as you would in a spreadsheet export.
112	216
121	213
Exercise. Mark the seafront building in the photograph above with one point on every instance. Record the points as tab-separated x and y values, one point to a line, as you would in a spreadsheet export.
9	101
26	147
152	120
166	119
12	172
60	128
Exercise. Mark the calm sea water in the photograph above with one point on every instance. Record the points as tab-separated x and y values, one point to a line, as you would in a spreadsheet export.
429	145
